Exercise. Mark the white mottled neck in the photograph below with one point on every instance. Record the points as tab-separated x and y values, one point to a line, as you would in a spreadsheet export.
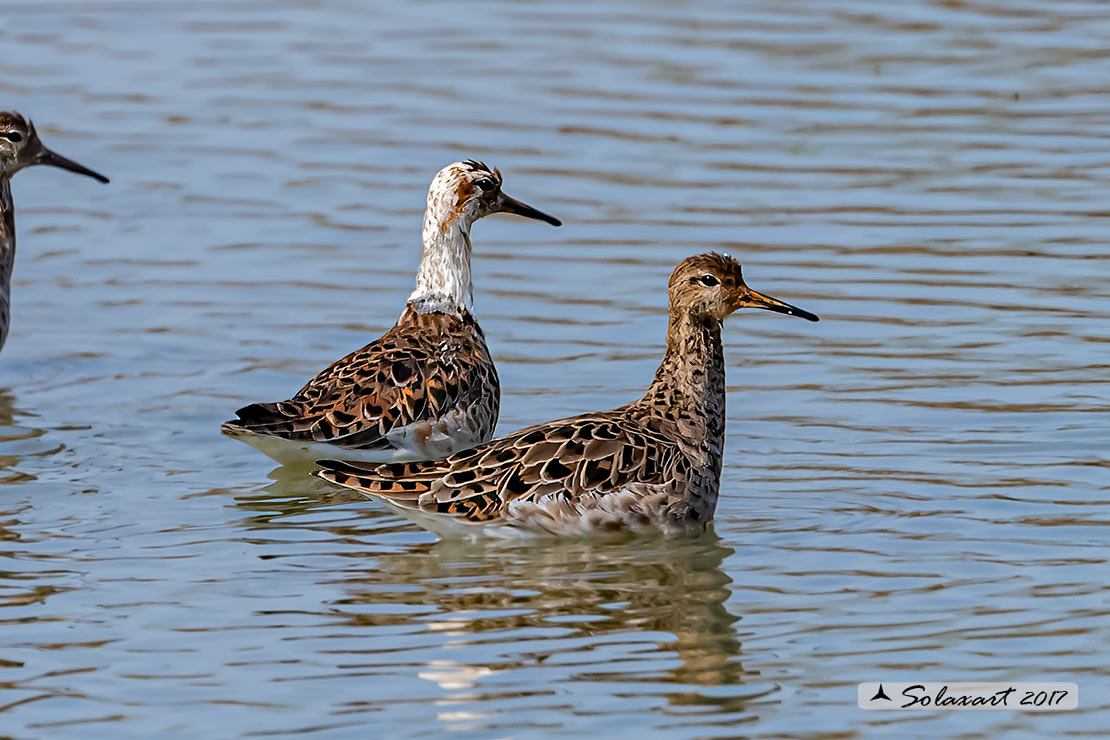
443	280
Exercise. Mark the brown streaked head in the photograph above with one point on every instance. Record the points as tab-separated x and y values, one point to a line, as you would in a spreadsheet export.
712	286
21	147
471	189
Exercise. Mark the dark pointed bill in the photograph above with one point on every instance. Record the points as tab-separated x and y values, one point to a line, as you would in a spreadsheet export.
758	300
512	205
57	160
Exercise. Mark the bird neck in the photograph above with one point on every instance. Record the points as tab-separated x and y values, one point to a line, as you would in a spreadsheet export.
689	386
443	280
7	253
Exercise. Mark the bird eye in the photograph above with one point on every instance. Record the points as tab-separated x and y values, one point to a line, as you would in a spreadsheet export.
709	280
485	183
13	136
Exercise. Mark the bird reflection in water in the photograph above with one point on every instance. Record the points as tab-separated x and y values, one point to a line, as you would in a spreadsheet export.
14	439
525	603
666	594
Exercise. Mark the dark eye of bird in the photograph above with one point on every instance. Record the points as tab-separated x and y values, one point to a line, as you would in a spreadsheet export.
13	136
709	280
485	183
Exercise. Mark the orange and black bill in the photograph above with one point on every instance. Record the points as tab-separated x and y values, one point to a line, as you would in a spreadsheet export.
505	204
758	300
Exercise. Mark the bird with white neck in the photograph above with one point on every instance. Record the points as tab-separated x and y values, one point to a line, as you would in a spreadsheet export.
428	386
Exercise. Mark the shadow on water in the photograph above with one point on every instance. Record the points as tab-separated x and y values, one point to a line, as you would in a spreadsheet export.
6	413
14	439
293	492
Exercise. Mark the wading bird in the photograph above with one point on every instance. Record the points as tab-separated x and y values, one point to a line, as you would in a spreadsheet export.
20	147
428	386
653	464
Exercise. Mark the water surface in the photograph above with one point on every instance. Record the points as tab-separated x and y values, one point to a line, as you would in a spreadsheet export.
915	488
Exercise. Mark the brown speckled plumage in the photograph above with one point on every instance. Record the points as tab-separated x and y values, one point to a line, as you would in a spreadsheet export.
651	464
427	381
20	147
427	387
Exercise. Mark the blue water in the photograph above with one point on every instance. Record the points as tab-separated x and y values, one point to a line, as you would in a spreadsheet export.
915	488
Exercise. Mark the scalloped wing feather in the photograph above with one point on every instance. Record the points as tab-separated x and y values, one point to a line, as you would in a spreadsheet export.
587	468
425	382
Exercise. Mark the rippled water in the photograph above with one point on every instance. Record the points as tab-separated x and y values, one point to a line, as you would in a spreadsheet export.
915	488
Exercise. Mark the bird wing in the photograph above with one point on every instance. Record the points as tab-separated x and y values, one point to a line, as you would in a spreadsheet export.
415	371
565	461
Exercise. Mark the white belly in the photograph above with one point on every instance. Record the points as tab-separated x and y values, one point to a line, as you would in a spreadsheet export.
614	515
422	440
